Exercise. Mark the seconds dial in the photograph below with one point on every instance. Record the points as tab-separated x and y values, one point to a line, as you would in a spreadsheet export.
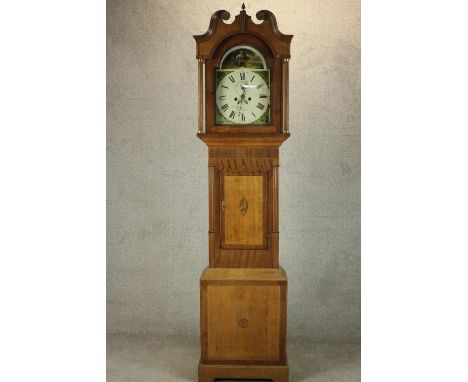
242	96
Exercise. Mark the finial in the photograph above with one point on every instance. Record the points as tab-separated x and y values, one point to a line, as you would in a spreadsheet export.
243	19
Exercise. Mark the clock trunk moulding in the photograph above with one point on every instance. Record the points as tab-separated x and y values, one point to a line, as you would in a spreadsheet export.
243	119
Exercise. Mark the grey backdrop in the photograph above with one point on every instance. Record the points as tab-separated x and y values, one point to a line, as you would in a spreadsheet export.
157	209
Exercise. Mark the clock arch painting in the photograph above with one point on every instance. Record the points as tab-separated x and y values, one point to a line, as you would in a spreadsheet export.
243	88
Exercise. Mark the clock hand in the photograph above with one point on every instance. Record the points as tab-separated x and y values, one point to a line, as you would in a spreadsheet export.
243	97
240	102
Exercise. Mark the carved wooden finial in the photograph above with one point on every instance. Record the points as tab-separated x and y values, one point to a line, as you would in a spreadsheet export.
243	19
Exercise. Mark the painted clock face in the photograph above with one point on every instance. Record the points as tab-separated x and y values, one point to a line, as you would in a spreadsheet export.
243	97
242	88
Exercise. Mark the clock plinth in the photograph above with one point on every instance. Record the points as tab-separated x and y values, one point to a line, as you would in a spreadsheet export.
243	102
243	323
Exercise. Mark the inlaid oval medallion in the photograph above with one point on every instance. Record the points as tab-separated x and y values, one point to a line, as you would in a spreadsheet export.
243	205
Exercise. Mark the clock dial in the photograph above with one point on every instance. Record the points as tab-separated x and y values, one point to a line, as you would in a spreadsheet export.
243	96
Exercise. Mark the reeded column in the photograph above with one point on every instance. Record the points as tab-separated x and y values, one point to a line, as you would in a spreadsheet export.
285	122
201	72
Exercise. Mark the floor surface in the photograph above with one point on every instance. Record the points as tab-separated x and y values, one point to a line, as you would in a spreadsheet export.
151	359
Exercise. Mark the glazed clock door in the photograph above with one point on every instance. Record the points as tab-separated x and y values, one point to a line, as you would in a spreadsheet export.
243	211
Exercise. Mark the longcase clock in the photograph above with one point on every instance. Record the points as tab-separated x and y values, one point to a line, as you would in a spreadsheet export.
243	119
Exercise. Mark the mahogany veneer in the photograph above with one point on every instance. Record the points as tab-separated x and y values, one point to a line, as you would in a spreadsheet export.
244	290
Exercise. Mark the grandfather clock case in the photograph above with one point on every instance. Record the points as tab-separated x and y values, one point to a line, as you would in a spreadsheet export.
243	119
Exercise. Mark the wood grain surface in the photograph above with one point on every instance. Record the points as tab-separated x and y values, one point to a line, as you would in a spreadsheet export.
243	212
243	292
